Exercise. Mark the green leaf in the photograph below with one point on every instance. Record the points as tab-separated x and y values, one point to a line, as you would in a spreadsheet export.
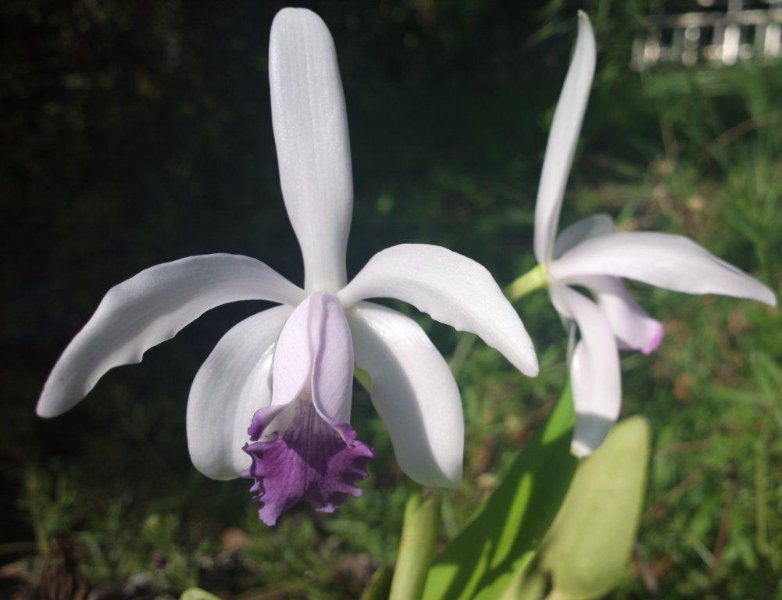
587	549
419	535
379	586
511	522
526	583
197	594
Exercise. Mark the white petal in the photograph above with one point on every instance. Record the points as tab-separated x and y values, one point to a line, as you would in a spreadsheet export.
591	427
313	148
413	391
668	261
563	138
453	289
579	231
631	325
233	383
151	308
595	373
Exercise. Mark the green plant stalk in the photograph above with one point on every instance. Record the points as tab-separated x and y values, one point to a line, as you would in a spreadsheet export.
463	348
533	280
419	535
379	584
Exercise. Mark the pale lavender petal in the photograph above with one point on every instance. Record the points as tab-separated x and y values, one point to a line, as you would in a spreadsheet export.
151	308
293	356
595	372
413	391
668	261
311	460
332	367
314	359
579	231
453	289
233	382
313	147
563	138
631	325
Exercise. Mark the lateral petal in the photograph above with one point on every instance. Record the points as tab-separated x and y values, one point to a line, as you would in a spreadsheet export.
313	147
595	373
563	138
668	261
450	287
631	325
233	383
150	308
413	391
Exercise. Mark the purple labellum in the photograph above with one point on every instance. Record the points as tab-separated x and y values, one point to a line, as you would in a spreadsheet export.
310	460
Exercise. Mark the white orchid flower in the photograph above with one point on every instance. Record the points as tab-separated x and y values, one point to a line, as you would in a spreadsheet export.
591	255
286	373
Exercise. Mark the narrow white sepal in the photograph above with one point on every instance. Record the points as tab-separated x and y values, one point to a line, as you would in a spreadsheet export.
313	148
563	138
453	289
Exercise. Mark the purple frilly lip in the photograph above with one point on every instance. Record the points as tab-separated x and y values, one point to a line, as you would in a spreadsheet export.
310	460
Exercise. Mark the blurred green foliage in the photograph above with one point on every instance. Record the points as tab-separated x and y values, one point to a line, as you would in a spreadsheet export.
135	133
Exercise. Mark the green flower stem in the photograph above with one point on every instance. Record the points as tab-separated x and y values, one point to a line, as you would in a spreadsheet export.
461	352
535	279
419	535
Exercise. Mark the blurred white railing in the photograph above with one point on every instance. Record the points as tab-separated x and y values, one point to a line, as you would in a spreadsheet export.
711	34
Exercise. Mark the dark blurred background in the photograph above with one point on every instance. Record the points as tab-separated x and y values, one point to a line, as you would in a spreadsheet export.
137	133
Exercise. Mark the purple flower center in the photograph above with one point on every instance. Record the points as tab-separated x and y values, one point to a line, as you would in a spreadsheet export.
309	460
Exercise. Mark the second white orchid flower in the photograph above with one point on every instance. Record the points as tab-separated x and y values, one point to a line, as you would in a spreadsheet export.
286	373
590	254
